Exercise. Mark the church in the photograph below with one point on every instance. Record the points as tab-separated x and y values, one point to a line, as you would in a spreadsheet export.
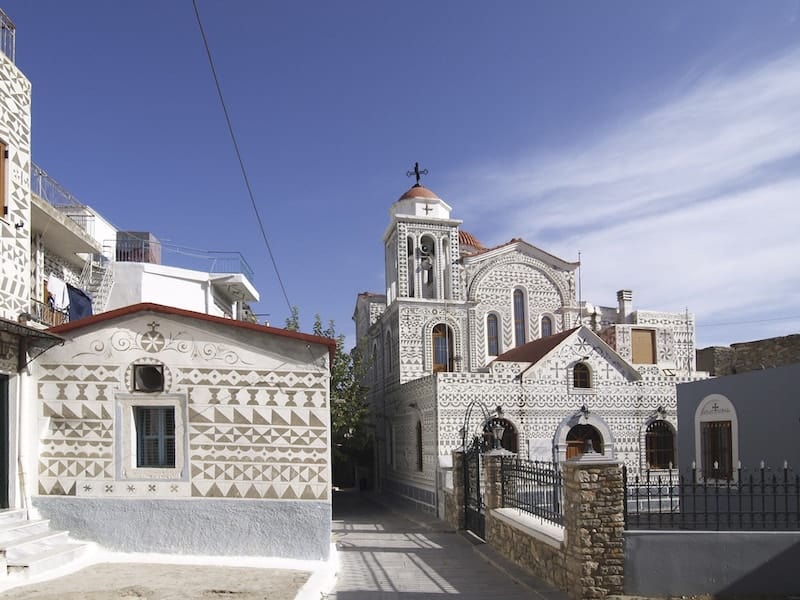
467	339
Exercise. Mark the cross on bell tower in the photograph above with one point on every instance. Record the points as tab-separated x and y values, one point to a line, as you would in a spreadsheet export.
418	173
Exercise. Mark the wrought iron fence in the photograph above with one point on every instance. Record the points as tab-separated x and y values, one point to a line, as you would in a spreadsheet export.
759	499
533	487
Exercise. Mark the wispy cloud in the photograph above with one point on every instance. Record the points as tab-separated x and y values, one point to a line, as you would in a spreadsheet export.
695	202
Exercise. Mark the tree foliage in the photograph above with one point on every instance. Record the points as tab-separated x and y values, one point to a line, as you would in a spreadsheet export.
349	432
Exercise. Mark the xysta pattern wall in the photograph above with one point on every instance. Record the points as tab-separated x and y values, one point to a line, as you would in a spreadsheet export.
15	132
493	287
257	420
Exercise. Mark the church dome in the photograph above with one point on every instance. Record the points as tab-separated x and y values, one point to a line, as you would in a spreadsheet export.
467	239
418	191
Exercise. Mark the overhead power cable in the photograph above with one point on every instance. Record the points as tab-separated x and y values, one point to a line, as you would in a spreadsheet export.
786	318
239	155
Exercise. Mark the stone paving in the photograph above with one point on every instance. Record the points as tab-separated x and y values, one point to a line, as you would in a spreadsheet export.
395	553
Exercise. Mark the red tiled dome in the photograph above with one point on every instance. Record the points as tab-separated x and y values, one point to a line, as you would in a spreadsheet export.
418	191
467	239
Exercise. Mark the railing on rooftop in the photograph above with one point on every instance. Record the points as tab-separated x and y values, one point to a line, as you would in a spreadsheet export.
50	190
7	36
153	251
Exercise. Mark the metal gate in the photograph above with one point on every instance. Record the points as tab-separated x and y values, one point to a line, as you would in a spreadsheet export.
474	506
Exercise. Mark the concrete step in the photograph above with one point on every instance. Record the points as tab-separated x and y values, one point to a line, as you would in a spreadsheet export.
31	547
30	543
48	557
9	528
12	514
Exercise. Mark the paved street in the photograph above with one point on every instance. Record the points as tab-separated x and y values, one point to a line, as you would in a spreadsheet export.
393	553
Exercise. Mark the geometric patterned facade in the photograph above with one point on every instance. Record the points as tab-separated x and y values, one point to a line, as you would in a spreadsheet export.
441	279
15	231
256	418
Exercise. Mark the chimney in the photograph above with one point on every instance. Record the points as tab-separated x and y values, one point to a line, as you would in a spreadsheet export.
625	301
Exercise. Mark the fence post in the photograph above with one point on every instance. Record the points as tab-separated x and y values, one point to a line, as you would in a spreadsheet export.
594	499
492	482
454	503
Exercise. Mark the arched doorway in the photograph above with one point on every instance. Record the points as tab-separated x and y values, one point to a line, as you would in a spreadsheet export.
510	439
577	437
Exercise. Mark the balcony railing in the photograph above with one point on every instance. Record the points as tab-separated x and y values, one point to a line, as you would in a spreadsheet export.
52	192
47	315
7	36
153	251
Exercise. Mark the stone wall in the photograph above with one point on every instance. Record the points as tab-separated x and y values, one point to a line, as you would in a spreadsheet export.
586	557
750	356
545	560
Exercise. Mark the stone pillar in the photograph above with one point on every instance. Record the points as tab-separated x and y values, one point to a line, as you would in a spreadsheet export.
594	526
492	482
454	503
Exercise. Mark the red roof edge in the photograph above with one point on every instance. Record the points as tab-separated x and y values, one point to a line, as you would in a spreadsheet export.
180	312
534	351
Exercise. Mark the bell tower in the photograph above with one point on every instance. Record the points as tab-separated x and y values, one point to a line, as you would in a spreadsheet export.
421	245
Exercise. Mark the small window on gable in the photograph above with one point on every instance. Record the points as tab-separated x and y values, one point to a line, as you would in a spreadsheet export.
155	436
659	440
148	378
643	346
520	324
547	327
581	376
492	340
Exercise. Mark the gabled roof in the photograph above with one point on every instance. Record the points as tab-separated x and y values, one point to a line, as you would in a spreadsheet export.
525	247
534	351
110	315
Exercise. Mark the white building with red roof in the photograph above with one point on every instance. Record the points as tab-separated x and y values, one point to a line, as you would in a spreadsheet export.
461	324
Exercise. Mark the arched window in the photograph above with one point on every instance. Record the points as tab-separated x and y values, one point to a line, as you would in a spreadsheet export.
419	445
547	327
442	348
519	318
659	441
374	362
577	438
510	439
581	376
387	353
492	341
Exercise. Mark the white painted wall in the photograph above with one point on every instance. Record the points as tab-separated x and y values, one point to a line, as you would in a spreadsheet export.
170	286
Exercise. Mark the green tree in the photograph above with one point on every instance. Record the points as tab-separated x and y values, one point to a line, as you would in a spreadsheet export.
350	436
349	410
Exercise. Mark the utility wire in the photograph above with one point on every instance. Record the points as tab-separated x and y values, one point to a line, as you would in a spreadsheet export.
786	318
239	155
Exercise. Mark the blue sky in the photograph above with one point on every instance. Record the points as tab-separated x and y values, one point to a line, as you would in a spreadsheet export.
660	140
